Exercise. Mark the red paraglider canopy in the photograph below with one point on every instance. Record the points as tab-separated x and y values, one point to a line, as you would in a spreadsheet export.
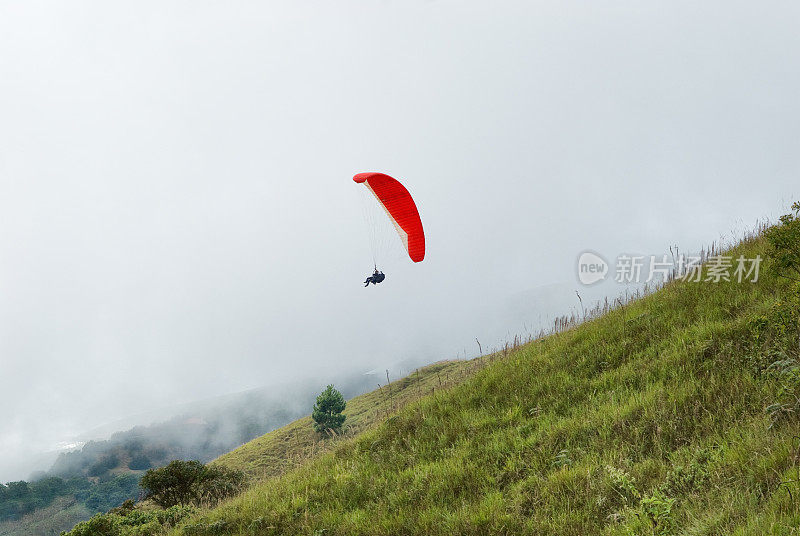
401	209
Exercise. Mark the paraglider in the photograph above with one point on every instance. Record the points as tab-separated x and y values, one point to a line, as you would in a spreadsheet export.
376	277
399	206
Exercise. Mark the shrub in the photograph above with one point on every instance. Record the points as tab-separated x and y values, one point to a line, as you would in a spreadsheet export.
174	484
190	482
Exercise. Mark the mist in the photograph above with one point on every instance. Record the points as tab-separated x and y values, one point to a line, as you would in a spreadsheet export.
179	220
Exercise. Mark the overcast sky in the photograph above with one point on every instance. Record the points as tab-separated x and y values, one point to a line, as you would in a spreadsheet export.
179	219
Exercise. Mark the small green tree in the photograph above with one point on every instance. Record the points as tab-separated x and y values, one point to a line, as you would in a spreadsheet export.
327	415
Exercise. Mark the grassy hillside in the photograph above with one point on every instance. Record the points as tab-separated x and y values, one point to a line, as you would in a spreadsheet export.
673	414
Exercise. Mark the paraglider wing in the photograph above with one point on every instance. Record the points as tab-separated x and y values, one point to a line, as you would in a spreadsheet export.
400	208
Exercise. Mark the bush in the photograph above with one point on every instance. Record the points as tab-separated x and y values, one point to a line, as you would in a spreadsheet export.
190	482
174	484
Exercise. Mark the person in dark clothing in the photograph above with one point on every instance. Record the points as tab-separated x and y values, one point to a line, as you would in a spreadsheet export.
375	278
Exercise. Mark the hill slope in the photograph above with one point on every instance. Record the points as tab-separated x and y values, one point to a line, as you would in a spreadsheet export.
673	414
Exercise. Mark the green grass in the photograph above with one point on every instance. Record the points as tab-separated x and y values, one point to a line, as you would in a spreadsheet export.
661	417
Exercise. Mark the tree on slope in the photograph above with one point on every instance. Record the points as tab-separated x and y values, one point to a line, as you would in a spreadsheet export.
327	415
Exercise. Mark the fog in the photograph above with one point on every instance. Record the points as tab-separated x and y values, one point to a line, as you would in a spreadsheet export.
178	215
